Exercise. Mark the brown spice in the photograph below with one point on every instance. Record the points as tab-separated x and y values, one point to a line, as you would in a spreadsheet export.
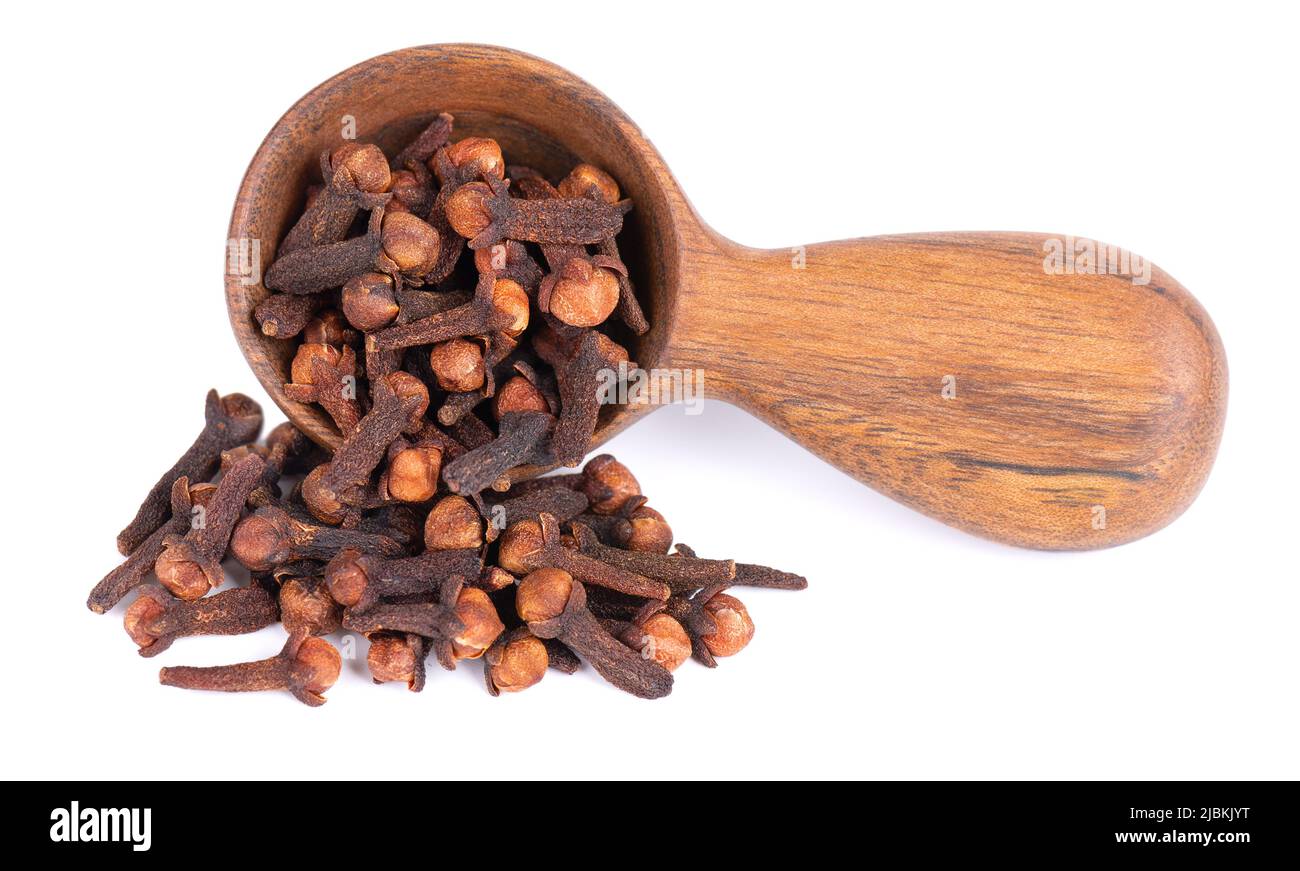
306	667
553	605
190	566
230	421
515	662
156	619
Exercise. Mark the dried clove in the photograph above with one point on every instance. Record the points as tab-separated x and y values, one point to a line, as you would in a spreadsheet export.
307	608
190	566
230	421
431	620
369	301
156	619
307	666
271	537
559	501
135	571
484	213
718	624
521	435
515	662
453	524
358	580
585	180
553	605
680	573
656	636
424	146
480	316
312	270
397	656
356	178
533	544
324	375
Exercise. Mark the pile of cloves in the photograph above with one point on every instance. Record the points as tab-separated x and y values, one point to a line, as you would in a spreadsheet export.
447	355
556	571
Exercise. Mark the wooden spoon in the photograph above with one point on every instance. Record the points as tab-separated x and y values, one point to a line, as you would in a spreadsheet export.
950	371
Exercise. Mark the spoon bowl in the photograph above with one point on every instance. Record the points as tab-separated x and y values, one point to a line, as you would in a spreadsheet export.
954	372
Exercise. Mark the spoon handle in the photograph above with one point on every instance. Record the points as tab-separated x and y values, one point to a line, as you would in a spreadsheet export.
958	374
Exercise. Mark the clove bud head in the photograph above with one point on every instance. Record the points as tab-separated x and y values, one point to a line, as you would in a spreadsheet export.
486	153
139	614
511	302
650	532
183	578
366	165
300	370
405	385
413	473
475	611
346	577
392	658
517	395
543	594
369	302
584	295
307	608
259	543
453	524
323	503
467	210
734	627
608	484
661	638
584	177
458	365
329	327
518	664
412	244
520	541
315	667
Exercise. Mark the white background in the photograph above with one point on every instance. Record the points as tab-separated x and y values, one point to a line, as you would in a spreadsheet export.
917	652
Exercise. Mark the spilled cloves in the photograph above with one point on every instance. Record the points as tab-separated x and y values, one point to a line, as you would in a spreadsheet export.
135	571
358	580
271	537
457	319
306	667
533	544
553	605
230	421
189	566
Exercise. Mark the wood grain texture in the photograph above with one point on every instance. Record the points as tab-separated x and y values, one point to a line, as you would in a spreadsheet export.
1071	391
1073	394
